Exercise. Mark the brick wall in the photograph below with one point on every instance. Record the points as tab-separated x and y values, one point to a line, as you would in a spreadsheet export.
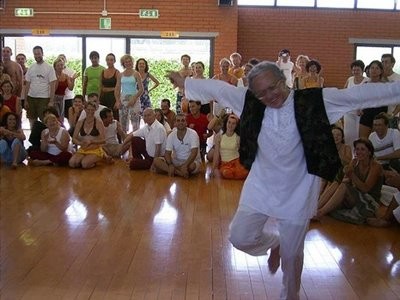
178	15
319	33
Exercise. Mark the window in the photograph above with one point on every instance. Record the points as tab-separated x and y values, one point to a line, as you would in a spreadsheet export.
104	46
370	53
335	3
305	3
257	2
374	4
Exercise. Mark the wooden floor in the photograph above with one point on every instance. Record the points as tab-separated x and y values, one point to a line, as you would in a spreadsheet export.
111	233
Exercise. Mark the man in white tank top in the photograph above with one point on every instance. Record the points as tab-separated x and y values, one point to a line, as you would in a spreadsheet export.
113	130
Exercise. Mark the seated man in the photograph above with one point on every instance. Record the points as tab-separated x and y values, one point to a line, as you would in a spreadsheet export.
386	142
182	153
113	130
168	113
393	211
95	98
198	122
147	142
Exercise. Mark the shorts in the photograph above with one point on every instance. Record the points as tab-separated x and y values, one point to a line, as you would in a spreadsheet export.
98	152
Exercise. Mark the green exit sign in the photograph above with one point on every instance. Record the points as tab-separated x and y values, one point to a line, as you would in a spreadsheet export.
148	13
23	12
105	23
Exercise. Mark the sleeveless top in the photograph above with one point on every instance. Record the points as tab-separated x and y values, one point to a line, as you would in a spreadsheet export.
11	103
61	87
51	148
93	132
375	191
229	147
109	82
128	85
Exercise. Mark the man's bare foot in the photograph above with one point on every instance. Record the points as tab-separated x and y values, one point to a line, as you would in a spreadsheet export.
274	260
14	165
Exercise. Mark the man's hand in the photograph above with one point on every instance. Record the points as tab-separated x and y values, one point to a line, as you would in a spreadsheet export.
392	178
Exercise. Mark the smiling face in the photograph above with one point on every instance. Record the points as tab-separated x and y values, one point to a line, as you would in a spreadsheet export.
11	122
337	136
269	90
362	152
110	60
7	88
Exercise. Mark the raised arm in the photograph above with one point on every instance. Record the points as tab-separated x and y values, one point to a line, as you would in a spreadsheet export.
338	102
207	90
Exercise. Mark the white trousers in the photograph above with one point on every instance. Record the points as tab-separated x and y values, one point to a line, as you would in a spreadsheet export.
247	234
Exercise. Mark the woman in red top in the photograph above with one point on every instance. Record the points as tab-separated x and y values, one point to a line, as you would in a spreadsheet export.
10	99
63	82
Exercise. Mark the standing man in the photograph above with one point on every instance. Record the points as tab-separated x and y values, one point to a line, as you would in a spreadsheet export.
287	143
40	86
388	62
182	153
286	66
21	60
147	142
185	71
13	69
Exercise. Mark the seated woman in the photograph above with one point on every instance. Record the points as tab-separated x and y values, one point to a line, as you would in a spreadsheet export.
161	118
226	153
74	112
54	144
215	124
360	190
12	151
89	136
345	157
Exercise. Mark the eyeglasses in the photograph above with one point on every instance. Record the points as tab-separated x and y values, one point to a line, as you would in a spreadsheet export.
269	89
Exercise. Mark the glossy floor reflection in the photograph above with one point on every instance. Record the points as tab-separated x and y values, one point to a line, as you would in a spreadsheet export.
110	233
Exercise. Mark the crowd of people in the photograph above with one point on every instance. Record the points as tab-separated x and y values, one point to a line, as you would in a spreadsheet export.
353	152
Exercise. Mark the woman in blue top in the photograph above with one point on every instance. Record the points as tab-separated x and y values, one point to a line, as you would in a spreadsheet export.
129	88
143	68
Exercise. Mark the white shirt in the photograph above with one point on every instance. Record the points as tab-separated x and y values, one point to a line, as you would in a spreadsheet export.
52	148
279	184
387	145
96	113
181	150
111	132
40	76
153	135
68	93
287	68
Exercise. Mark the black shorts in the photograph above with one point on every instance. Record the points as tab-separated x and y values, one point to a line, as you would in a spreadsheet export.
367	118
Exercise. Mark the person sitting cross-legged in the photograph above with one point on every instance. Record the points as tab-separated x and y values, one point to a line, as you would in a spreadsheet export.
113	131
147	142
54	144
226	153
182	153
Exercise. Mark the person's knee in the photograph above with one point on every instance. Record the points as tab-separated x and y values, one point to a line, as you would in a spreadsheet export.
240	240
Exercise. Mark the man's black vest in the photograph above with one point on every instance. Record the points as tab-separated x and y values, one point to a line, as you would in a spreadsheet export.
312	122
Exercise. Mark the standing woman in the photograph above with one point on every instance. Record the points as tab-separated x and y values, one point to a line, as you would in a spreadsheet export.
352	119
313	78
300	71
12	151
108	83
63	82
143	68
89	136
199	74
128	89
368	114
10	99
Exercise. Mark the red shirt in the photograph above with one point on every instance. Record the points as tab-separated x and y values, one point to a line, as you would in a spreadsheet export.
198	124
